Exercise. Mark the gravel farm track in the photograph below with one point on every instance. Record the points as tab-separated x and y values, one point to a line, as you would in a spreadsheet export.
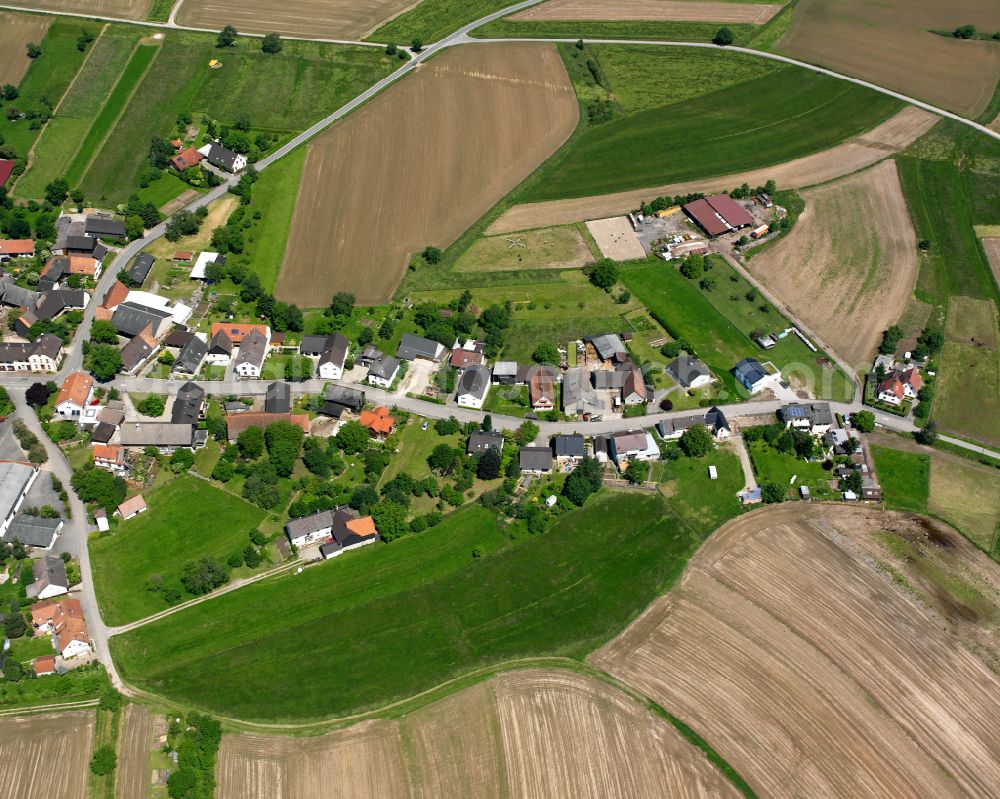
792	650
16	30
653	10
891	136
852	255
425	176
528	734
45	757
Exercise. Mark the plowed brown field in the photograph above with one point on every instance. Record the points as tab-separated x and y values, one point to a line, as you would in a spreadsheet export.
890	43
16	30
890	137
419	164
530	734
813	672
328	19
655	10
45	757
135	740
849	266
124	9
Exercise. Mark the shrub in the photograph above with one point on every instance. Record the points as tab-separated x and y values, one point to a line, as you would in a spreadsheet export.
104	761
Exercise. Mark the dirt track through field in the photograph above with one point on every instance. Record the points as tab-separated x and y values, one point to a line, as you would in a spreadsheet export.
654	10
419	164
45	757
330	19
135	740
851	256
890	137
890	43
809	670
526	734
125	9
16	30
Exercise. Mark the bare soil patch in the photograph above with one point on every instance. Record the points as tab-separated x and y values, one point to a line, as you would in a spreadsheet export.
395	177
850	264
616	239
16	30
135	740
125	9
45	757
890	43
330	19
653	10
819	657
891	136
992	248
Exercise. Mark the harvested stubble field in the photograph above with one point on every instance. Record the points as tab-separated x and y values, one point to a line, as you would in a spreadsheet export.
968	495
992	249
135	740
852	255
890	43
123	9
339	19
891	136
16	30
795	638
530	734
45	757
652	10
376	190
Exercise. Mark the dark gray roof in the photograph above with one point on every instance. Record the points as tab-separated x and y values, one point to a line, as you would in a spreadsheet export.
135	351
578	395
349	397
253	348
607	345
475	381
140	268
608	378
130	318
191	356
333	409
49	570
32	531
102	433
156	434
80	243
15	295
385	368
102	226
336	350
371	353
818	413
569	446
221	156
411	347
278	398
715	420
685	370
313	345
535	459
749	370
49	345
335	519
187	404
480	441
55	302
178	338
220	343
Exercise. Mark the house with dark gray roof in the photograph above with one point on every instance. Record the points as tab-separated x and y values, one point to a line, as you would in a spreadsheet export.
313	345
815	417
482	440
165	436
105	226
751	375
223	157
343	526
53	303
137	350
413	347
689	372
382	373
340	399
569	447
333	357
535	460
103	433
140	268
50	575
33	531
188	404
278	398
473	386
17	296
253	350
579	397
80	245
130	319
190	357
220	349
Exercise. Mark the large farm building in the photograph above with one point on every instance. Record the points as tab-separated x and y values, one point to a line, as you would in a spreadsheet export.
718	214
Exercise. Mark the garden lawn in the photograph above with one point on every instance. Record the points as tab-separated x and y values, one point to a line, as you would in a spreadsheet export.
188	519
403	618
414	446
702	502
904	477
773	466
770	120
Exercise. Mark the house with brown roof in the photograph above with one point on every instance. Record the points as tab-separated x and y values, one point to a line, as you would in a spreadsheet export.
64	619
115	296
186	159
109	456
900	385
138	350
542	391
634	387
74	396
379	422
16	248
340	529
44	665
132	507
236	331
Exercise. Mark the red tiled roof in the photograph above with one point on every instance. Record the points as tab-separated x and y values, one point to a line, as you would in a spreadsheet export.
363	526
75	388
17	247
115	296
236	331
6	169
378	421
46	664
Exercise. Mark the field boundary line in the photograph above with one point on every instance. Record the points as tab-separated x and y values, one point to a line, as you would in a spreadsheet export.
54	708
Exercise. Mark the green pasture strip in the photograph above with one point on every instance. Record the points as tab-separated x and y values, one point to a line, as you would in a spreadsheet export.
564	592
188	519
771	120
160	10
431	20
608	29
904	477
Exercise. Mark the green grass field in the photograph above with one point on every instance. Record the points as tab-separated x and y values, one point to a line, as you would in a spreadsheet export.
600	29
971	413
564	592
904	477
702	502
188	519
431	20
770	120
772	465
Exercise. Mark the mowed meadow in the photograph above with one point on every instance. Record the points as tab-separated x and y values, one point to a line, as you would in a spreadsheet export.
419	164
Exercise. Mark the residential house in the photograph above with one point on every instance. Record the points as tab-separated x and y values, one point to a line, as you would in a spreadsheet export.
74	396
379	422
333	357
250	360
689	372
44	665
132	507
237	423
40	355
717	424
33	531
220	349
900	385
370	355
473	386
189	404
713	419
579	398
115	296
505	373
140	269
138	350
570	447
751	375
186	158
629	445
383	373
64	619
100	226
815	417
237	331
278	398
16	248
634	387
482	440
165	436
178	338
223	157
109	456
131	318
528	371
465	355
16	296
839	441
535	460
191	356
341	527
339	399
313	346
413	347
542	391
50	578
